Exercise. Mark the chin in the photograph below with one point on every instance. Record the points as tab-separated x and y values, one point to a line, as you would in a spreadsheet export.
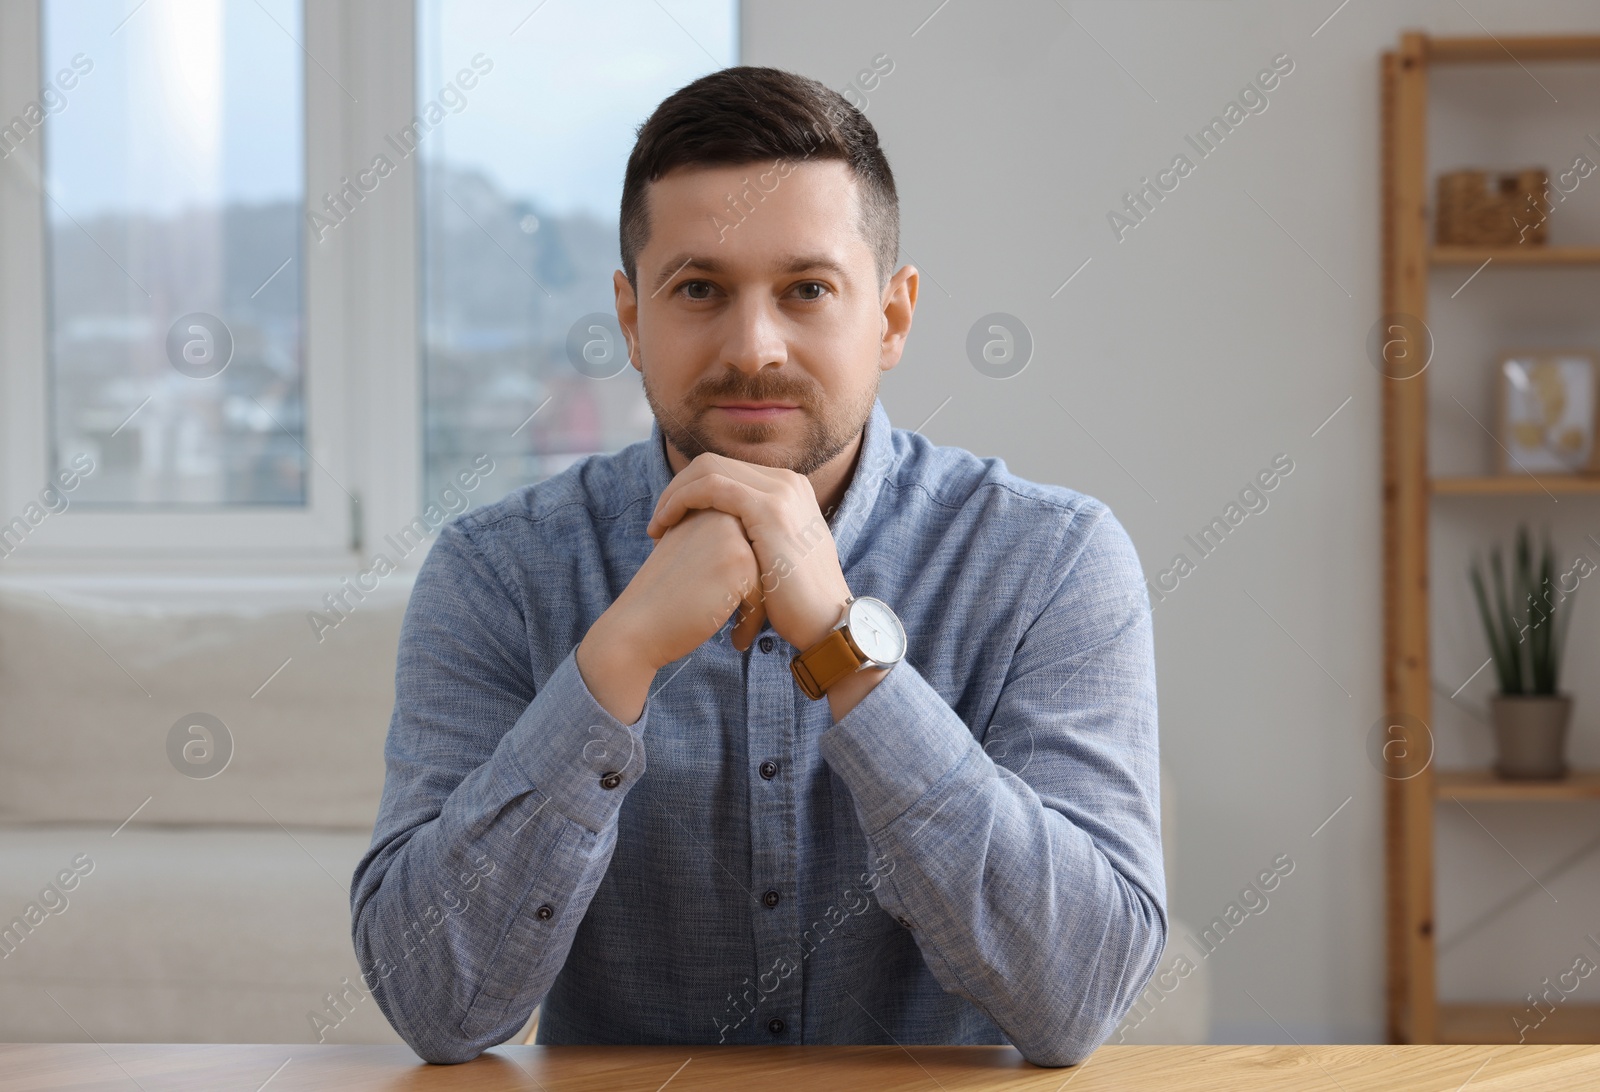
770	453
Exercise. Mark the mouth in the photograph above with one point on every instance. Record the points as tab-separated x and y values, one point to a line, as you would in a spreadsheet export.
756	411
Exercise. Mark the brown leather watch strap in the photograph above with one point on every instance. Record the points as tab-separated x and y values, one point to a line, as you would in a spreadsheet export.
824	664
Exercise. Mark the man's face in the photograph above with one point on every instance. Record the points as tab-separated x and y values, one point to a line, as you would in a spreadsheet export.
772	299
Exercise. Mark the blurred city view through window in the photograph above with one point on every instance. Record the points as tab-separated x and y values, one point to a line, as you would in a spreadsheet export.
174	167
520	182
177	224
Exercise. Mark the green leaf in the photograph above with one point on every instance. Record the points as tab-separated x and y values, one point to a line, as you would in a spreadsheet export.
1497	651
1508	625
1547	585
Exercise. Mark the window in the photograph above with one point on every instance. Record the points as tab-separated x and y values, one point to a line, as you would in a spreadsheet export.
174	191
282	291
521	178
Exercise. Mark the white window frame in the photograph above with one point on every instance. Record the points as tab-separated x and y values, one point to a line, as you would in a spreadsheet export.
362	367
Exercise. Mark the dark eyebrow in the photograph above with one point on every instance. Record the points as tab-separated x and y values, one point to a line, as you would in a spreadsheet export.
705	263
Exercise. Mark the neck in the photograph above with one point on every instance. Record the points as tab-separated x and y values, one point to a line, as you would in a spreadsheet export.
832	481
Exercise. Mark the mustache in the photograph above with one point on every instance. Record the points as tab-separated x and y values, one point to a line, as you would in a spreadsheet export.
796	397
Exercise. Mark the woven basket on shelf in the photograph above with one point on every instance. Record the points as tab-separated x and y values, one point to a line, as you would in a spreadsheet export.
1477	208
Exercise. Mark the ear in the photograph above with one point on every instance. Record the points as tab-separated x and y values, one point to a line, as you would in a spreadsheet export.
627	316
899	301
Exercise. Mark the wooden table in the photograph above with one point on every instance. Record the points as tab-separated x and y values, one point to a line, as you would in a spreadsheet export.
215	1068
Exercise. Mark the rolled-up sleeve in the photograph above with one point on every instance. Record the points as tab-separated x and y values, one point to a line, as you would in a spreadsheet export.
1026	856
498	816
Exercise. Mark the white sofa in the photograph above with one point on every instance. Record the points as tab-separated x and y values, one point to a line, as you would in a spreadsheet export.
219	912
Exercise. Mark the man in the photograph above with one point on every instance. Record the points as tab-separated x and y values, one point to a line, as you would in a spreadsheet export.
635	772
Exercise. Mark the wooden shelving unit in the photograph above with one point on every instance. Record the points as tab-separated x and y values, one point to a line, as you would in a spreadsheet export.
1414	1014
1486	785
1511	485
1570	1023
1515	255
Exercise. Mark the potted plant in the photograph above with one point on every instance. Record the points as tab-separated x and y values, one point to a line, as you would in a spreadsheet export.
1529	714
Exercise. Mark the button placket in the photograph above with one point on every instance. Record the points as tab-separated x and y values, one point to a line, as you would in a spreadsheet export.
771	713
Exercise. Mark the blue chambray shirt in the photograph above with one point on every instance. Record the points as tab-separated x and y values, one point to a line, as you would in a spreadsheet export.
972	855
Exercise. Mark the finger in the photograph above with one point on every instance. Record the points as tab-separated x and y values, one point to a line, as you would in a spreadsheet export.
669	506
654	527
721	493
759	479
701	465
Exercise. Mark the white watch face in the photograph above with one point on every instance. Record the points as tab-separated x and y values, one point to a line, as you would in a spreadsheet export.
876	630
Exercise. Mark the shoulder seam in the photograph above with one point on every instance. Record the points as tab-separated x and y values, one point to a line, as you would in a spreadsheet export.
983	485
486	522
1048	586
511	596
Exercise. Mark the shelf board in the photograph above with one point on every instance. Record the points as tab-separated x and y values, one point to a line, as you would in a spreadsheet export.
1515	255
1499	485
1571	1022
1479	784
1513	49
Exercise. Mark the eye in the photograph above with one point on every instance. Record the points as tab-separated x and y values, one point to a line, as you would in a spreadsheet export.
813	284
686	284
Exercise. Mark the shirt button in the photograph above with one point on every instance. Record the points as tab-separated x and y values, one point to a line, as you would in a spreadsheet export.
610	780
769	770
775	1026
544	913
771	898
903	920
766	644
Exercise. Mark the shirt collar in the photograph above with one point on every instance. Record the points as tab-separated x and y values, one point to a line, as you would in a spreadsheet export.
874	461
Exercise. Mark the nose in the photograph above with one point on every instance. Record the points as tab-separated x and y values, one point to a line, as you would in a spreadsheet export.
755	334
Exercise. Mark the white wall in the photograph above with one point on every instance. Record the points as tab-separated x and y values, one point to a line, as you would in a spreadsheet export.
1204	343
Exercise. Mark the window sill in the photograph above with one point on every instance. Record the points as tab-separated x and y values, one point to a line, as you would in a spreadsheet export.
232	585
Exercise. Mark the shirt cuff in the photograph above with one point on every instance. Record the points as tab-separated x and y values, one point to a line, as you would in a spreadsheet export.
895	745
579	756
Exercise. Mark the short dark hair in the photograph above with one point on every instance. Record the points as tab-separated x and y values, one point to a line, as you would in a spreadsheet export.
747	114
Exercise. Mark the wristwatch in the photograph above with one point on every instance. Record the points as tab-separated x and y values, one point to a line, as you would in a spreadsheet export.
869	634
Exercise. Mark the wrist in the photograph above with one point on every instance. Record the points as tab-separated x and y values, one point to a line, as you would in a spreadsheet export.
617	673
621	641
846	694
822	623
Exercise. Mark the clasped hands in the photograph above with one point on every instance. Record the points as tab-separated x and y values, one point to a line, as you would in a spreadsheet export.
801	588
